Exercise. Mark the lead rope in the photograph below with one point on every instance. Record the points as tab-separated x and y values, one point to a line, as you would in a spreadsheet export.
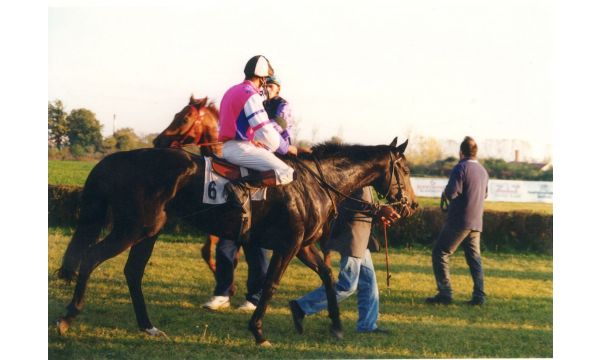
387	259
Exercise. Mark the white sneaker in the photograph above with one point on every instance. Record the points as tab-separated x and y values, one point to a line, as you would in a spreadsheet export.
247	306
217	303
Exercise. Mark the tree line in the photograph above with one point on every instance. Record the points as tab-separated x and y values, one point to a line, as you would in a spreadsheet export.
78	134
496	168
426	159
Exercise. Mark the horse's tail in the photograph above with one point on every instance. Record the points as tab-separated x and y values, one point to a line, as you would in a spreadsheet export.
92	218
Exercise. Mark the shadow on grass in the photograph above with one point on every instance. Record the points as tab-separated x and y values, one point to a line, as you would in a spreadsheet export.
491	273
227	337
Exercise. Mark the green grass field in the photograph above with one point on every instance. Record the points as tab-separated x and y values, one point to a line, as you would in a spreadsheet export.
516	322
66	172
75	173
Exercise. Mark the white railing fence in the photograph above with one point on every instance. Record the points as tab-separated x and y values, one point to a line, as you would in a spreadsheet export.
498	190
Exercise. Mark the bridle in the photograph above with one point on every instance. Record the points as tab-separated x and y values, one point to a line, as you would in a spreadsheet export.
401	198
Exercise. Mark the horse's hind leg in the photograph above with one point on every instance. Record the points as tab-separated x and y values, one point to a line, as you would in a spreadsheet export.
134	272
114	244
310	257
275	272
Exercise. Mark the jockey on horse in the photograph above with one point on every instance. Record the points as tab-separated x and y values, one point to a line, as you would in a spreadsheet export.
250	138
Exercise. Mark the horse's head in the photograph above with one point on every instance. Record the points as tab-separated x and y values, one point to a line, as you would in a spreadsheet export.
196	123
395	184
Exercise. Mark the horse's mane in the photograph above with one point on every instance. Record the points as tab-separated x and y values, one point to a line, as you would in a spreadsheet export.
329	150
213	109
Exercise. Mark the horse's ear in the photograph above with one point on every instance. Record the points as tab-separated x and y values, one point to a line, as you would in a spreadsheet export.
202	102
394	142
402	147
198	103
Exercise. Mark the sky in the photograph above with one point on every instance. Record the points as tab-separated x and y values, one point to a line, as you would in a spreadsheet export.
365	71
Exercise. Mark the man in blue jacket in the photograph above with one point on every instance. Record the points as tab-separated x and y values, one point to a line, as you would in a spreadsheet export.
466	191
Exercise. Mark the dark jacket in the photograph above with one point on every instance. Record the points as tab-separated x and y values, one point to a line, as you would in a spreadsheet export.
466	190
273	108
351	230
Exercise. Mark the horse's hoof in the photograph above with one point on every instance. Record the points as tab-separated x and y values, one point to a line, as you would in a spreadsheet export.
265	344
62	326
157	333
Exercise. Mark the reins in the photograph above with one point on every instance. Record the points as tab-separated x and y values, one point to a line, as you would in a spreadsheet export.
328	187
373	207
318	163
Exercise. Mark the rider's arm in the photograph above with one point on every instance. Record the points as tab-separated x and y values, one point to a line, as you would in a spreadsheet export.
264	131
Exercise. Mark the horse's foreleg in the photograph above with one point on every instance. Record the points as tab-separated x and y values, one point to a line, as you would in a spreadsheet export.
277	266
134	272
327	277
110	247
310	257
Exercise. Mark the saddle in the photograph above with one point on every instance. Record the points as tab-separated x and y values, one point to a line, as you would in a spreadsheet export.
228	170
218	172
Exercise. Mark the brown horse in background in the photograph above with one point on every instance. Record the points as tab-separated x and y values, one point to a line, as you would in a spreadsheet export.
196	125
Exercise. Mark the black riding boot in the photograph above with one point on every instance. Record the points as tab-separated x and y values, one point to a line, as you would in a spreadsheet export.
240	193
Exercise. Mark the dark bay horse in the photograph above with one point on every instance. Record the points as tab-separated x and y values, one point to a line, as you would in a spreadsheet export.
198	125
143	187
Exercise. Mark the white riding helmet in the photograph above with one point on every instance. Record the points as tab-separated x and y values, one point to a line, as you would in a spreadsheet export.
258	66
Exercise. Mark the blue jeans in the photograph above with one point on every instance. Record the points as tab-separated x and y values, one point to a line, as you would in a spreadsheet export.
256	258
355	274
447	243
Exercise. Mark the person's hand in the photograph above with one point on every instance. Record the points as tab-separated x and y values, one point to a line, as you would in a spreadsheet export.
444	202
292	150
387	215
304	150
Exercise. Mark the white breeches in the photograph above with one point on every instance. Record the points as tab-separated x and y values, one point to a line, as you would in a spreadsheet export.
245	154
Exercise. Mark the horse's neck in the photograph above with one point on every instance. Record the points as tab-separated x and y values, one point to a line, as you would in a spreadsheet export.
353	176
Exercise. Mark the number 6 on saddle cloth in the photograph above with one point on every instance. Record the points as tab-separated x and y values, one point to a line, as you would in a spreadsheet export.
217	173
